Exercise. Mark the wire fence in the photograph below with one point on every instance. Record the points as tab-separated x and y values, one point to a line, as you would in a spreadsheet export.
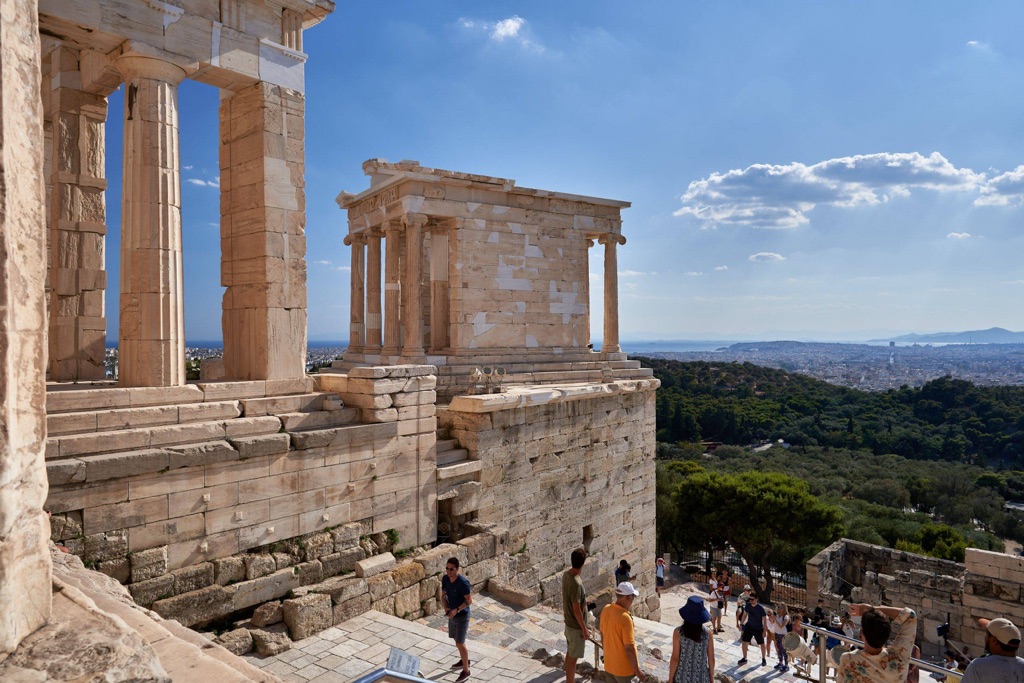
701	565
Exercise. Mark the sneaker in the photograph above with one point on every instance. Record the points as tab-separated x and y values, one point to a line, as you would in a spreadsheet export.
764	662
458	664
742	661
464	676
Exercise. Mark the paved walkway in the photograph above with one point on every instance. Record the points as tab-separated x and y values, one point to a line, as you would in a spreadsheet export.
501	640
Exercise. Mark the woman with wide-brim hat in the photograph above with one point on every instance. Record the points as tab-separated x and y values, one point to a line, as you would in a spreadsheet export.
693	648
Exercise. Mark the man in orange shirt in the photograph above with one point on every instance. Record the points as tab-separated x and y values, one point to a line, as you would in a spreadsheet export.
621	662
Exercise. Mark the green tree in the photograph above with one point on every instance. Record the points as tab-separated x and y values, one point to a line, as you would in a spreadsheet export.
760	514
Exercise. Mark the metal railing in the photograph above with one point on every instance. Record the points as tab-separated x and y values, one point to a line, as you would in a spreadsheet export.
789	587
390	677
825	662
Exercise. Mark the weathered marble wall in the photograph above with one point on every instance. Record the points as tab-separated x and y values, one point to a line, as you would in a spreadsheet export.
24	557
563	467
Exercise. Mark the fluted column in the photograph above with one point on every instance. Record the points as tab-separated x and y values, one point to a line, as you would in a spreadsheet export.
373	314
412	305
356	327
610	344
439	322
151	338
392	288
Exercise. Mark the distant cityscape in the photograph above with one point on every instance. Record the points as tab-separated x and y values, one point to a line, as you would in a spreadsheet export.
874	367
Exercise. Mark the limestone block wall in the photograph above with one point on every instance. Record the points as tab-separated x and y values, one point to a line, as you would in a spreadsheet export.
160	501
561	467
986	585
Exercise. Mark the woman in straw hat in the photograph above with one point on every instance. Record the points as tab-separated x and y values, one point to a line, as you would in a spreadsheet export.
693	648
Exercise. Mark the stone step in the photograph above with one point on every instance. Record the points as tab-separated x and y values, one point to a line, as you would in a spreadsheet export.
457	470
278	405
452	456
321	419
105	420
70	398
444	443
76	445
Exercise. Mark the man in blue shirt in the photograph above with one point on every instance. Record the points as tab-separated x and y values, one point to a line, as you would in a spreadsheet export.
456	599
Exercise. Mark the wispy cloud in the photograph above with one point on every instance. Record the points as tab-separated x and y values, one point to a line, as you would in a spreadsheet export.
321	262
633	273
766	257
514	30
719	269
978	45
1003	190
693	273
781	196
1014	282
958	235
204	183
186	168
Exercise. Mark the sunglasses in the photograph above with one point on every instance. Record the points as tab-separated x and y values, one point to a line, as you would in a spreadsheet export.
450	569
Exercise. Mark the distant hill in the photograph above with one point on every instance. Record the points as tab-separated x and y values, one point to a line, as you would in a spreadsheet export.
993	335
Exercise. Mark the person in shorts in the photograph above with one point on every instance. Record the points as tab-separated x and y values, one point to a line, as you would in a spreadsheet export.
715	607
755	623
574	611
456	599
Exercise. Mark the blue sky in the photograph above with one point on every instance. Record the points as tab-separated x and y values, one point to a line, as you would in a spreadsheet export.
797	169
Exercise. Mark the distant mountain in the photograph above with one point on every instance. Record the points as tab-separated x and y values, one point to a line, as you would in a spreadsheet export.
993	335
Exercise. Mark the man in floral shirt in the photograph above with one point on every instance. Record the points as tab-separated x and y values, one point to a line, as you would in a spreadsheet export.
878	663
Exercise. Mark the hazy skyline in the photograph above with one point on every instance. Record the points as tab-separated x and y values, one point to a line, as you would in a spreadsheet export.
797	169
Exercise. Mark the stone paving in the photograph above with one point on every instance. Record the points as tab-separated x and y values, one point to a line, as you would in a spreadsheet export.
501	640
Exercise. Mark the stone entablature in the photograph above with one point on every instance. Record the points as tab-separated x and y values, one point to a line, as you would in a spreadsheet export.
986	585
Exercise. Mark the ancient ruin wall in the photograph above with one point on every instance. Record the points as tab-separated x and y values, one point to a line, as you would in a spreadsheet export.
561	467
173	497
24	558
986	585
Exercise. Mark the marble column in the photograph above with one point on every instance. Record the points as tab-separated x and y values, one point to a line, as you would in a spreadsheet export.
373	312
78	227
151	339
412	308
25	587
356	327
439	319
392	288
610	344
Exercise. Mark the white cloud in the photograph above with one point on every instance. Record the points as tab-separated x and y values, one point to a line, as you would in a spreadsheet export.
186	168
958	235
766	257
719	269
321	263
513	29
1014	282
978	45
693	273
204	183
780	196
633	273
1003	190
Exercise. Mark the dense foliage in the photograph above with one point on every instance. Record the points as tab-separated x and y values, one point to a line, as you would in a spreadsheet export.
946	419
924	501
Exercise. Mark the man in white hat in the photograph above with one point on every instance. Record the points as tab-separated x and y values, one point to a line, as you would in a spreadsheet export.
621	661
1002	665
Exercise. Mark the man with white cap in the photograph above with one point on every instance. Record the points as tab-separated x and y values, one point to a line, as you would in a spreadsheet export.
1002	665
621	661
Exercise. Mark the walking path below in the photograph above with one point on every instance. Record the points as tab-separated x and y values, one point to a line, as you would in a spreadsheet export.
501	642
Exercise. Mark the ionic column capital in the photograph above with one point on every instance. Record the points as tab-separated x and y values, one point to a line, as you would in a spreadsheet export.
355	238
416	219
392	225
611	238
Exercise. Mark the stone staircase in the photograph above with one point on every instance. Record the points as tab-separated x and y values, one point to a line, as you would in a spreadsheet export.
130	431
458	485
